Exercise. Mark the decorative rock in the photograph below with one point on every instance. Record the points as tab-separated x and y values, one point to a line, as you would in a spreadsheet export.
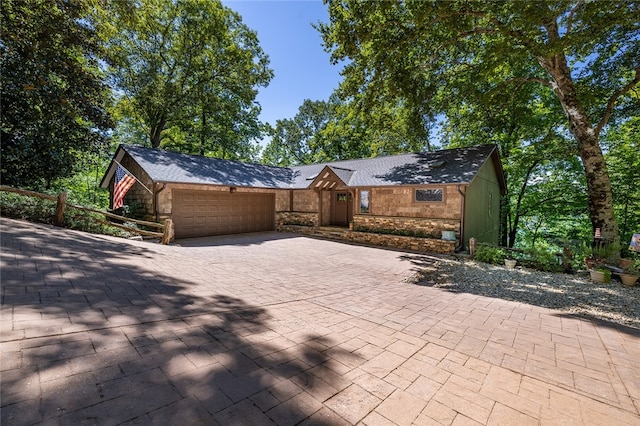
572	294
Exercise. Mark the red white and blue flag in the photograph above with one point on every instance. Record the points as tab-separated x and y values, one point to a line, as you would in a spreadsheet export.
121	185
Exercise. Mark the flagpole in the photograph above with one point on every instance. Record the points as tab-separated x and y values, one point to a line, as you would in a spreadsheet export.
134	176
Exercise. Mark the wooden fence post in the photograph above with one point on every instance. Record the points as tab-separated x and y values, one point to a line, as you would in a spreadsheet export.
60	206
472	247
168	231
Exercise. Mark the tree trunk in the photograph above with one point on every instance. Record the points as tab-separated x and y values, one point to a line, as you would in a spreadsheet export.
599	192
155	134
203	131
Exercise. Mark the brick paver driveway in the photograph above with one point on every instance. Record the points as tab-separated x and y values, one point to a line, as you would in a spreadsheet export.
280	329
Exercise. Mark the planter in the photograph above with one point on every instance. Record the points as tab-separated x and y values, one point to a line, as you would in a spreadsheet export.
600	277
625	263
628	279
510	263
449	235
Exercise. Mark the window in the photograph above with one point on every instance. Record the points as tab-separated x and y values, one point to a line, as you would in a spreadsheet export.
429	195
365	198
342	197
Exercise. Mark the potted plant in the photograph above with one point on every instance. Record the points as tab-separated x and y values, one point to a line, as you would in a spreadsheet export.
600	275
510	263
630	274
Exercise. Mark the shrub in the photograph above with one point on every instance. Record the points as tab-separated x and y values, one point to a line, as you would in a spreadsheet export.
390	231
38	210
488	253
542	260
27	208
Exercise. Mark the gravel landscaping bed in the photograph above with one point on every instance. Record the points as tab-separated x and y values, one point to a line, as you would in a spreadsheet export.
574	294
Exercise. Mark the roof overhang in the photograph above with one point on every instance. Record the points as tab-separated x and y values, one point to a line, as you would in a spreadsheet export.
495	158
326	180
111	170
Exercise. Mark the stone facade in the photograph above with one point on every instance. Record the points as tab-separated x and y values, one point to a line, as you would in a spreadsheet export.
425	245
430	226
428	245
400	201
297	218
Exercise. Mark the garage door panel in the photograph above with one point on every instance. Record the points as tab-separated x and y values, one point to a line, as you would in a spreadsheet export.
202	213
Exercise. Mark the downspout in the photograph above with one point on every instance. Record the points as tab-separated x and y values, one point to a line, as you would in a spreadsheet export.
462	207
155	201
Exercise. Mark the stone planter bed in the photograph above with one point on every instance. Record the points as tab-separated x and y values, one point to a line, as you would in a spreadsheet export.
425	245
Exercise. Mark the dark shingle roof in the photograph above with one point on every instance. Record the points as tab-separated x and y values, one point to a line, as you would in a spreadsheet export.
458	165
167	166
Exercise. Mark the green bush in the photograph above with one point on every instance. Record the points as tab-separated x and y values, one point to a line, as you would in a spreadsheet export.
35	209
27	208
389	231
542	260
88	222
488	253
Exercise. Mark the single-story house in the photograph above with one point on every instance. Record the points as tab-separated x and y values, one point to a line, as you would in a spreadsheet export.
456	190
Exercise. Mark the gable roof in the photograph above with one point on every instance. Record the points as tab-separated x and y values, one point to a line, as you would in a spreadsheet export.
457	166
175	167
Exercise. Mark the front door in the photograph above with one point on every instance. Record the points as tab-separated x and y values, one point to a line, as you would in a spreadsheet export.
341	210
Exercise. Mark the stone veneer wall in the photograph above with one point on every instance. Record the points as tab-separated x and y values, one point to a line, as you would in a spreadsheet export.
431	226
297	218
429	245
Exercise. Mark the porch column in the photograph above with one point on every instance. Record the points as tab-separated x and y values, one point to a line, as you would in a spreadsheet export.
319	207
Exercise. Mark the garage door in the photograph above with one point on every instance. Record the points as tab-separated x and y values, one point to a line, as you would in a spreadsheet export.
204	213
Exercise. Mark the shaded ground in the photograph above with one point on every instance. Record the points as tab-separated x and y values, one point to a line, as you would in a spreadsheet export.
575	294
280	329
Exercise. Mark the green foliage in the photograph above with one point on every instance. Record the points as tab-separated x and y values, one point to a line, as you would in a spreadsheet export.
607	274
634	269
88	222
623	160
490	254
298	140
390	231
43	211
189	72
27	208
344	129
542	260
54	98
538	259
506	72
83	188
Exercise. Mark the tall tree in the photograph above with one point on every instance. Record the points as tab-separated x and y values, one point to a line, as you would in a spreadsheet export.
299	140
585	53
340	130
54	97
190	65
623	158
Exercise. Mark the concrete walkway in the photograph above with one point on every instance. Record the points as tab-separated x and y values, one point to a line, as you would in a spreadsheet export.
270	328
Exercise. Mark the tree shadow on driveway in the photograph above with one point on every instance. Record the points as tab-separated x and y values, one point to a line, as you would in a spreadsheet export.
93	331
571	294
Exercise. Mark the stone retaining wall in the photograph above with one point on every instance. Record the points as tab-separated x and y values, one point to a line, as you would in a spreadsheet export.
433	227
427	245
297	218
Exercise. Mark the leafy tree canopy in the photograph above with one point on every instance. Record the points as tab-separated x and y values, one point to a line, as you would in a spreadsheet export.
334	130
54	98
188	71
438	55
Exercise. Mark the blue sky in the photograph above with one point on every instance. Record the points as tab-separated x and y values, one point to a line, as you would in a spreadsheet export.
301	66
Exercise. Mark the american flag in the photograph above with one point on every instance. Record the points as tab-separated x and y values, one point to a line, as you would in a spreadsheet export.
123	182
